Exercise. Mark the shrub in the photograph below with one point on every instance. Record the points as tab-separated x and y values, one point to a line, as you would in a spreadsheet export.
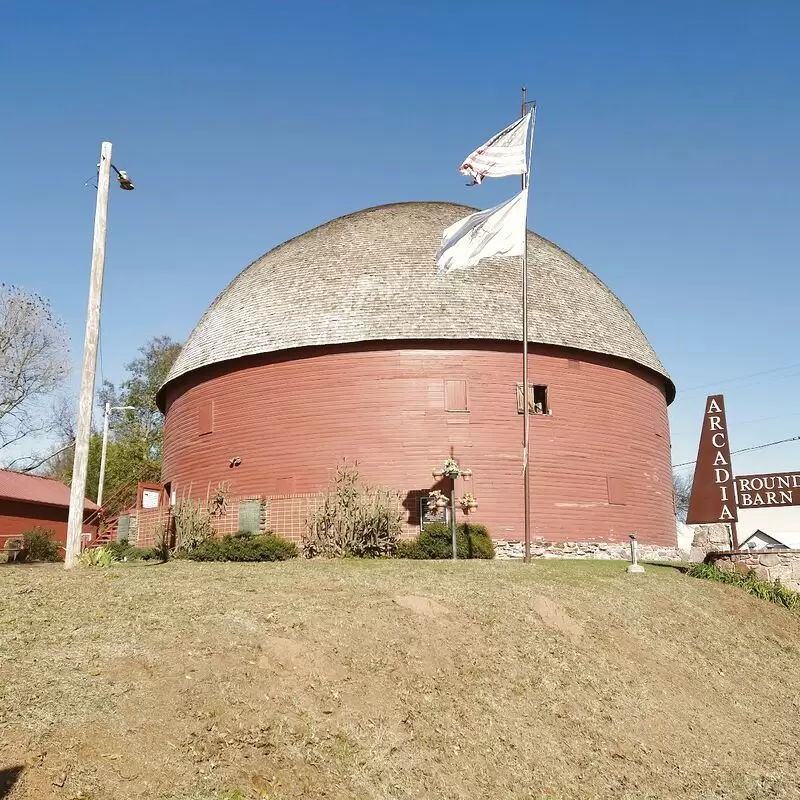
353	519
38	545
256	547
97	557
765	590
477	542
411	548
436	541
127	552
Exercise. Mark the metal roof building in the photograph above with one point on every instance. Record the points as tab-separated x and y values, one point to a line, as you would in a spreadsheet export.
29	501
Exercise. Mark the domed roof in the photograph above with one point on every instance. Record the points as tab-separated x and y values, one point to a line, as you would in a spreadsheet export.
370	276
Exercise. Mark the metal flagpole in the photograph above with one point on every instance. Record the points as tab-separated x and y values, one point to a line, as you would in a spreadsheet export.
525	399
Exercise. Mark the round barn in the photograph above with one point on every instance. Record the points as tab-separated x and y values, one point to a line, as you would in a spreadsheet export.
344	343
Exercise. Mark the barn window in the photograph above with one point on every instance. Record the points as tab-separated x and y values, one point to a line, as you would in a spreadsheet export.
206	418
617	494
537	398
249	516
123	528
455	396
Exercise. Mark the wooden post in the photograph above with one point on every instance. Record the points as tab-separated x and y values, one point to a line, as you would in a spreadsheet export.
80	463
453	529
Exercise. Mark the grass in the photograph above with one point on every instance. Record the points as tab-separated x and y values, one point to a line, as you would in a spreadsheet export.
771	591
389	679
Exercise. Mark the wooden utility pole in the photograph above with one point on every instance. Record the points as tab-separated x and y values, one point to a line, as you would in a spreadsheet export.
78	487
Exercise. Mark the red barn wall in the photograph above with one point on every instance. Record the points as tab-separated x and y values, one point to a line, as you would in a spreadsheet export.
600	463
17	517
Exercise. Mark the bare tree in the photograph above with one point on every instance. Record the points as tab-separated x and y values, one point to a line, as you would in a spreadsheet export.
33	364
682	490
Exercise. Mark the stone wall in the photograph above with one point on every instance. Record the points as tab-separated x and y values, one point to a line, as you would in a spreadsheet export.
769	565
709	539
599	550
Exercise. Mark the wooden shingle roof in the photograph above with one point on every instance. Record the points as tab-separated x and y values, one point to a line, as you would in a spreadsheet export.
370	276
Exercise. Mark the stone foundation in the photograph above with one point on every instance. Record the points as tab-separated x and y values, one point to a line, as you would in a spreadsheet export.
586	550
769	565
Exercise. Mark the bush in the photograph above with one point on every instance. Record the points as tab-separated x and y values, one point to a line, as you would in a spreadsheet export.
38	545
97	557
353	520
256	547
765	590
127	552
436	541
411	548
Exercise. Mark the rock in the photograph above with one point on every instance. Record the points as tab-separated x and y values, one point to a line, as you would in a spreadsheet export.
769	560
762	573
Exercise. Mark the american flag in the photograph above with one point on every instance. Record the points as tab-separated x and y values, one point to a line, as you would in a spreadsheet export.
503	154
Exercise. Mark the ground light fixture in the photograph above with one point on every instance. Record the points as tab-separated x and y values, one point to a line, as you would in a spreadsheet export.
634	567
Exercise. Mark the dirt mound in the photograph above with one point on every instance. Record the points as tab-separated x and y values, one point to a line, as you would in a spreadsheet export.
421	605
393	680
556	618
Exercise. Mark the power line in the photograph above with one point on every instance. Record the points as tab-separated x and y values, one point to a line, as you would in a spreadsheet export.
744	450
741	422
739	378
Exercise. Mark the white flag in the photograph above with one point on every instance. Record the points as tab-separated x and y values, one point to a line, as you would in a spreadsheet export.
503	154
496	232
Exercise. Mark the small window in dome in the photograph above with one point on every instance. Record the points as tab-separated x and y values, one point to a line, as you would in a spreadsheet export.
537	398
205	422
455	396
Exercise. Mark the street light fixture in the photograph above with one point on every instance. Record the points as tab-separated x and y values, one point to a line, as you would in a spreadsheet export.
84	430
124	181
109	409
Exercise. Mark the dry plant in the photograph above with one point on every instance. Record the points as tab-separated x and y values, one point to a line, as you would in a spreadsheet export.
194	520
352	519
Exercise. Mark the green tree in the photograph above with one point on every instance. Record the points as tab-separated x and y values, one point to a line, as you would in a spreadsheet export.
136	436
146	374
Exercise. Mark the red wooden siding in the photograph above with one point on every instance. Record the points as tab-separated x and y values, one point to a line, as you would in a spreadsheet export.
17	517
299	414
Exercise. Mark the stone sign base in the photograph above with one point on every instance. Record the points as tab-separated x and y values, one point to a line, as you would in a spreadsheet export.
768	565
600	550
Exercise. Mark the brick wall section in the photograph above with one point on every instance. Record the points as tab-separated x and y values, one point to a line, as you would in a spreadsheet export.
292	417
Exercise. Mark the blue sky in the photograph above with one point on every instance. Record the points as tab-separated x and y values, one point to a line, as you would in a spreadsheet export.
666	159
